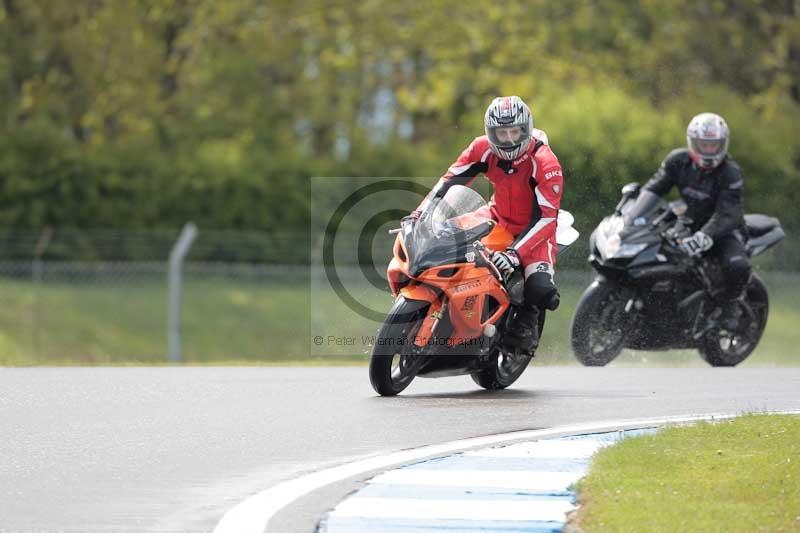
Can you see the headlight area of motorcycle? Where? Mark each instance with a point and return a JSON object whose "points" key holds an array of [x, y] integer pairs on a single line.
{"points": [[607, 239], [629, 250], [609, 243]]}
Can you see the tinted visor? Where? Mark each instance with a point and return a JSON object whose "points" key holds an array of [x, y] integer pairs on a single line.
{"points": [[708, 147], [508, 136]]}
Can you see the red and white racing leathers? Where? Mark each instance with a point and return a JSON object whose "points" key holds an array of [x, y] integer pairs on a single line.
{"points": [[527, 195]]}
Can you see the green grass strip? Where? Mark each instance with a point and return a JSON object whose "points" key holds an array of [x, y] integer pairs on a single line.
{"points": [[738, 475], [122, 321]]}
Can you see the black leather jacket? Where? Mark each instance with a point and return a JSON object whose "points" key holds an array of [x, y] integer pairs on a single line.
{"points": [[713, 197]]}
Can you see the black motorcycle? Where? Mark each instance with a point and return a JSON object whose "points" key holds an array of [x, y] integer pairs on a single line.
{"points": [[650, 295]]}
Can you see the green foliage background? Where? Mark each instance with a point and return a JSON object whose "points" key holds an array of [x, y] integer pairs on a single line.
{"points": [[139, 114]]}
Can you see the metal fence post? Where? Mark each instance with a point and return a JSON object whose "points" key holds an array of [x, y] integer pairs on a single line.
{"points": [[36, 275], [176, 257]]}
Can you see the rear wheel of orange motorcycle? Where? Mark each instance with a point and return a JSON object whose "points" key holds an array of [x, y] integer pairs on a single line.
{"points": [[395, 362]]}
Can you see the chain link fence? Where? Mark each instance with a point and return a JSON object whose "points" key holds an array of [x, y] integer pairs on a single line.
{"points": [[108, 310], [116, 312], [102, 296]]}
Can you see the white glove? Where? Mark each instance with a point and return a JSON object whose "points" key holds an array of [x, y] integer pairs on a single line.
{"points": [[505, 262], [697, 244]]}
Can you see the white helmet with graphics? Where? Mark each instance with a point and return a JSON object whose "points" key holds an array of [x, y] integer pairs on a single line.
{"points": [[707, 136], [509, 127]]}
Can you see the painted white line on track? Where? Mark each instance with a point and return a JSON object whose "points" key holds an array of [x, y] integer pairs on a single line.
{"points": [[254, 513], [415, 509], [479, 479]]}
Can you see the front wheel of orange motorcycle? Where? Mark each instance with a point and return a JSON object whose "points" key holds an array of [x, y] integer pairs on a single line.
{"points": [[395, 360]]}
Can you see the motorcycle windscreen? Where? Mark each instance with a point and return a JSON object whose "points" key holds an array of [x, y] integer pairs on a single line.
{"points": [[638, 211], [455, 222]]}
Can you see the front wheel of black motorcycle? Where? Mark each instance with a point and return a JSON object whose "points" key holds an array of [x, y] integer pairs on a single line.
{"points": [[598, 333], [505, 368], [394, 362], [724, 348]]}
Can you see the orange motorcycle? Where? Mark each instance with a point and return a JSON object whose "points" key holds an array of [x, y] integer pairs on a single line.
{"points": [[452, 306]]}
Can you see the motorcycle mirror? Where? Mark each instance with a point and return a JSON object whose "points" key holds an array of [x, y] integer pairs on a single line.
{"points": [[631, 189]]}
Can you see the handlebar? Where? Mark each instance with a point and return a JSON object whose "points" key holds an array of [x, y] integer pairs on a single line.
{"points": [[406, 220], [674, 238], [662, 217], [482, 259]]}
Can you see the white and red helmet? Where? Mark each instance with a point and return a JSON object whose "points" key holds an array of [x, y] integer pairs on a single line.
{"points": [[707, 137], [509, 127]]}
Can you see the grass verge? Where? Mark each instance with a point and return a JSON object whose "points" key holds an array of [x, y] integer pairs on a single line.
{"points": [[739, 475], [122, 320]]}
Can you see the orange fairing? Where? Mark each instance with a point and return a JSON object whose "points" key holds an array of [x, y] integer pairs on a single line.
{"points": [[427, 294], [469, 290], [420, 292], [397, 272], [474, 296]]}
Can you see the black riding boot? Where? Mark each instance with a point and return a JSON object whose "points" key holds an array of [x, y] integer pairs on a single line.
{"points": [[523, 332], [736, 269], [731, 313]]}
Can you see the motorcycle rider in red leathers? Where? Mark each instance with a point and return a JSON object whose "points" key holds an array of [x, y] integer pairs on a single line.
{"points": [[528, 184]]}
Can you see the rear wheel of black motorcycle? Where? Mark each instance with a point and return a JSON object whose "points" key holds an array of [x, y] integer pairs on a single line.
{"points": [[598, 333], [505, 368], [721, 348], [394, 363]]}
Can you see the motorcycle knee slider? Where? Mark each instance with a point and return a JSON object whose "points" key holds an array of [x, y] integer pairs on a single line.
{"points": [[552, 302]]}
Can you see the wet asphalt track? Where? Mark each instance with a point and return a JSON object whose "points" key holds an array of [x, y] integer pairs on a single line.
{"points": [[171, 449]]}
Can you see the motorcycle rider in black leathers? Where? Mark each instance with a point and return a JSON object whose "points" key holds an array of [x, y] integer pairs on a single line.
{"points": [[710, 183]]}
